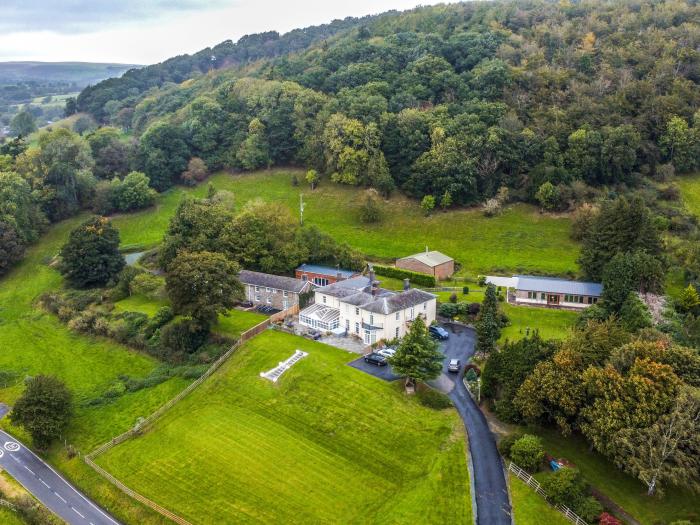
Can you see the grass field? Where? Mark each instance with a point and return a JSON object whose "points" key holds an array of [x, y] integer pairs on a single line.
{"points": [[630, 494], [529, 508], [326, 441], [520, 240], [551, 324], [690, 192]]}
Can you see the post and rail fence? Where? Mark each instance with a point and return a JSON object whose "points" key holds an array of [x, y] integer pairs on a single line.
{"points": [[149, 420], [534, 484]]}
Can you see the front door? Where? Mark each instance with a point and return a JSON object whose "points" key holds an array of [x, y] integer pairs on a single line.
{"points": [[552, 299], [367, 337]]}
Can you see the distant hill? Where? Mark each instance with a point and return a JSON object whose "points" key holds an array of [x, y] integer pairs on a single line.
{"points": [[79, 73]]}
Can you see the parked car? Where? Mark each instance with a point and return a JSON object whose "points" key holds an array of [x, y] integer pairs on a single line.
{"points": [[438, 332], [313, 334], [375, 359], [453, 365], [387, 352]]}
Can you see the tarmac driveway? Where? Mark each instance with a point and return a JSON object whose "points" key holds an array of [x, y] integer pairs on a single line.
{"points": [[460, 345], [490, 489]]}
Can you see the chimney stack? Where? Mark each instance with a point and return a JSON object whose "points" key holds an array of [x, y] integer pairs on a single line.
{"points": [[426, 248], [338, 276], [406, 284], [370, 275]]}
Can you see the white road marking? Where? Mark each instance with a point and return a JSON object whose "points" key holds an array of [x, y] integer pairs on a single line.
{"points": [[15, 458], [2, 453], [11, 446], [60, 497], [45, 484], [30, 470], [78, 513]]}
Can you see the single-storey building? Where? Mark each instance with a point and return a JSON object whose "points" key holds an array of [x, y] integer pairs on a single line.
{"points": [[272, 290], [358, 306], [433, 263], [548, 291], [323, 275]]}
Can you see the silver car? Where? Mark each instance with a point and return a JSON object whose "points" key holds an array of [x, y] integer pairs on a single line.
{"points": [[453, 365], [387, 352]]}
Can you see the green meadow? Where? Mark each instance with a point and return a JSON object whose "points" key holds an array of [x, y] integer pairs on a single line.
{"points": [[690, 192], [325, 441], [519, 240]]}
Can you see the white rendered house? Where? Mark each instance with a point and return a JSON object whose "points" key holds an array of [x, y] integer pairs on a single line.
{"points": [[358, 306]]}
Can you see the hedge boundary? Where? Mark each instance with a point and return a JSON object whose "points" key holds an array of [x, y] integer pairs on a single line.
{"points": [[419, 279]]}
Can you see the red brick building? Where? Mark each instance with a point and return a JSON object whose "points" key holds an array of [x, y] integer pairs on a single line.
{"points": [[433, 263], [322, 275]]}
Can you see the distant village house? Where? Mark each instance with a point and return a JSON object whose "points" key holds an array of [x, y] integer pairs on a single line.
{"points": [[548, 291], [433, 263]]}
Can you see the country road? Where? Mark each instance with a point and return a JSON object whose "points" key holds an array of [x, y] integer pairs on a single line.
{"points": [[48, 486]]}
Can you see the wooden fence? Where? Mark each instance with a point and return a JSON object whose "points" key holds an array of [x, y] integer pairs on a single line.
{"points": [[532, 482], [145, 423]]}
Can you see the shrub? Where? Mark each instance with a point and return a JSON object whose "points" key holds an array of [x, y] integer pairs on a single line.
{"points": [[418, 279], [568, 487], [182, 336], [434, 399], [528, 452], [465, 290], [506, 443], [491, 207], [453, 297], [132, 193], [196, 172]]}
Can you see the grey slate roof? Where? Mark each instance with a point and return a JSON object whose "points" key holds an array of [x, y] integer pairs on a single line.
{"points": [[398, 301], [550, 284], [268, 280], [325, 270]]}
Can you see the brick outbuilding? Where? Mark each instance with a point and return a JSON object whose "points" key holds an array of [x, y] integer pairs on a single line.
{"points": [[433, 263]]}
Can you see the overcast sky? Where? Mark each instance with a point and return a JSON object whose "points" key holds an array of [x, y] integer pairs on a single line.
{"points": [[149, 31]]}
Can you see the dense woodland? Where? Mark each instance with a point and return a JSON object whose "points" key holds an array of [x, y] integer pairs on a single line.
{"points": [[449, 101]]}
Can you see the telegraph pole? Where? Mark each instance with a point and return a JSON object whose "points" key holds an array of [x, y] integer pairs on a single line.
{"points": [[301, 209]]}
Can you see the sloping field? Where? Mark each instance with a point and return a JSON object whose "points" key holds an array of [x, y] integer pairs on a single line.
{"points": [[325, 444], [519, 240]]}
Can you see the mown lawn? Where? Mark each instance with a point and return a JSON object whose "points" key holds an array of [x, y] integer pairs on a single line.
{"points": [[551, 324], [520, 240], [690, 192], [529, 508], [626, 491], [326, 443]]}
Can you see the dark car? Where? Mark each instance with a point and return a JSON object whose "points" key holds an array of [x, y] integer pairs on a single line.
{"points": [[375, 359], [438, 332]]}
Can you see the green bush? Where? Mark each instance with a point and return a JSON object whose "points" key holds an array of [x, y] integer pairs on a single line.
{"points": [[418, 279], [506, 444], [182, 336], [568, 487], [527, 452], [465, 290], [434, 399]]}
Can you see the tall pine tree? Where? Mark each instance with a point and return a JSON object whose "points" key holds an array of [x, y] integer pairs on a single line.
{"points": [[418, 357], [488, 324]]}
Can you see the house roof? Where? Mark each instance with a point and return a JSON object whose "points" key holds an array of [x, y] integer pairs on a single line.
{"points": [[531, 283], [347, 287], [395, 302], [326, 270], [268, 280], [431, 259], [550, 284]]}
